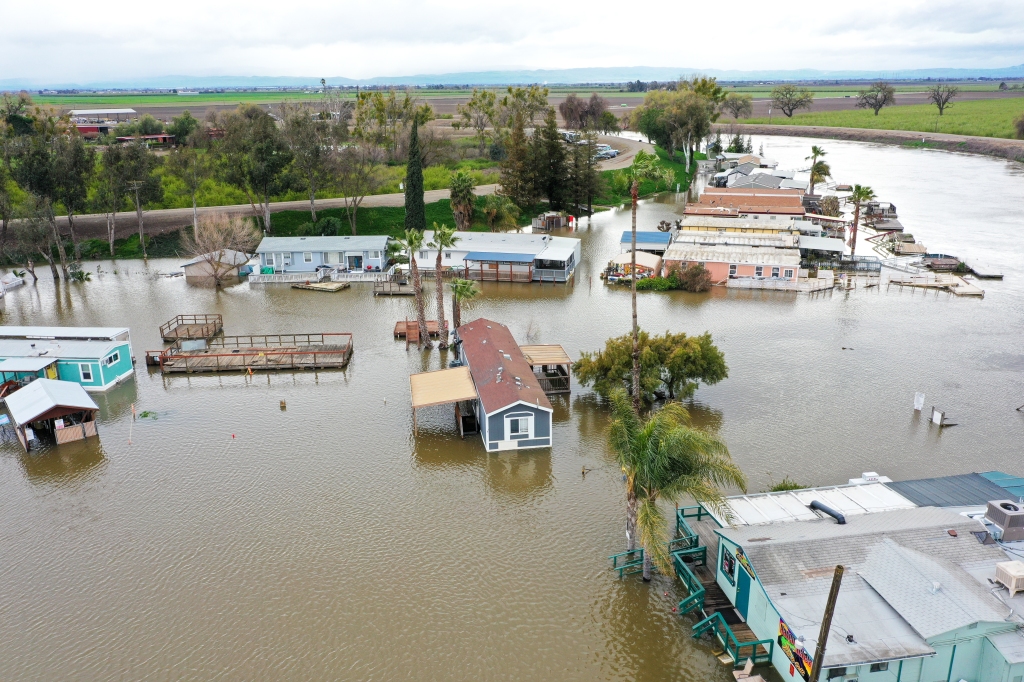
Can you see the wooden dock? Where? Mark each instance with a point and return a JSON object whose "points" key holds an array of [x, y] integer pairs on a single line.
{"points": [[267, 352], [955, 284], [393, 288], [192, 327], [330, 287], [402, 328]]}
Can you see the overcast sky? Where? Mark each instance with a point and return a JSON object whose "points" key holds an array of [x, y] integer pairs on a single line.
{"points": [[60, 41]]}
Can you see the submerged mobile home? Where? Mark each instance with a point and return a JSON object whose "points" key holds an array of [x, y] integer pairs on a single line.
{"points": [[97, 358]]}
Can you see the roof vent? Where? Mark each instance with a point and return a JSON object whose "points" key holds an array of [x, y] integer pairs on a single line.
{"points": [[507, 356], [936, 586]]}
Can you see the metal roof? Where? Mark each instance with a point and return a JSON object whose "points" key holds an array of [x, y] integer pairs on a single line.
{"points": [[25, 364], [559, 249], [442, 387], [785, 240], [792, 505], [42, 395], [647, 237], [228, 256], [741, 255], [932, 595], [57, 348], [96, 112], [500, 256], [301, 244], [1011, 484], [964, 490], [546, 354], [79, 333], [496, 362]]}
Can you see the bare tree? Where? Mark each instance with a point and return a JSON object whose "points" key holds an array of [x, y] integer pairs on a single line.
{"points": [[879, 95], [359, 173], [222, 243], [942, 96]]}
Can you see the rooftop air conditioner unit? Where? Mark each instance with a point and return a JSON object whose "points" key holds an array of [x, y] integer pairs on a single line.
{"points": [[1008, 516], [1011, 575]]}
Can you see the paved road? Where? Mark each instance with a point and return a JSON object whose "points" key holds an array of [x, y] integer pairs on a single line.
{"points": [[164, 220], [627, 150]]}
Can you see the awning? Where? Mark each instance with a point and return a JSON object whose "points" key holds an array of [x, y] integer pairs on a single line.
{"points": [[499, 256], [646, 237], [45, 395], [26, 364], [547, 354], [441, 387]]}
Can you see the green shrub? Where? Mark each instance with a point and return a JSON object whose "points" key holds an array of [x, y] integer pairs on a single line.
{"points": [[655, 283]]}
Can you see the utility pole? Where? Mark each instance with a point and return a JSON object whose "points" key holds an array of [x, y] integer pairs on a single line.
{"points": [[826, 623]]}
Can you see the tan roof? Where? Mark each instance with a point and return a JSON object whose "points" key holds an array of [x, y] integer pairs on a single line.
{"points": [[445, 386], [739, 255], [752, 191], [643, 259], [548, 354]]}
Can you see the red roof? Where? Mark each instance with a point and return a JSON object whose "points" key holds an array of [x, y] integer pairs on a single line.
{"points": [[496, 363]]}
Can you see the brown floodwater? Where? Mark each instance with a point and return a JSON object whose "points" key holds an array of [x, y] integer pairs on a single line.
{"points": [[228, 538]]}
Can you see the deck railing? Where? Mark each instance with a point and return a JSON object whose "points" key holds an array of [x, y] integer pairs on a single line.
{"points": [[290, 277], [206, 319], [547, 275], [716, 625], [694, 587], [498, 276], [552, 384]]}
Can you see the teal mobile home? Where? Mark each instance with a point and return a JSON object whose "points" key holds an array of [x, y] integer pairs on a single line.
{"points": [[98, 358]]}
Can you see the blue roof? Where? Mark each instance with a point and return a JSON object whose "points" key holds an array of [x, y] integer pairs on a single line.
{"points": [[499, 256], [647, 237], [1008, 482]]}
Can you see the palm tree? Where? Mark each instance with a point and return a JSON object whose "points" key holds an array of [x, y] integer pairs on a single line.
{"points": [[663, 456], [412, 243], [462, 291], [462, 199], [816, 153], [502, 213], [819, 171], [861, 195], [645, 167], [444, 238]]}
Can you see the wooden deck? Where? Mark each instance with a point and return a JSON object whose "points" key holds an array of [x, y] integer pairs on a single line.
{"points": [[330, 287], [402, 327], [192, 327], [391, 288], [250, 353]]}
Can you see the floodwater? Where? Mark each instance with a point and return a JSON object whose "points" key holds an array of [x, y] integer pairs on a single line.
{"points": [[228, 538]]}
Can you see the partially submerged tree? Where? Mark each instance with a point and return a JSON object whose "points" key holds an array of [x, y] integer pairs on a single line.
{"points": [[942, 96], [739, 105], [412, 243], [818, 173], [789, 98], [463, 200], [860, 196], [879, 95], [143, 184], [665, 457], [462, 291], [74, 165], [222, 242], [112, 190], [671, 364], [444, 238]]}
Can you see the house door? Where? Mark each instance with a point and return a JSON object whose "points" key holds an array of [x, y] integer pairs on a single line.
{"points": [[742, 591], [355, 262]]}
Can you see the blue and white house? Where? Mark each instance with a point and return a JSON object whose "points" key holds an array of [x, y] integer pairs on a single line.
{"points": [[511, 408], [505, 256], [287, 255], [97, 358]]}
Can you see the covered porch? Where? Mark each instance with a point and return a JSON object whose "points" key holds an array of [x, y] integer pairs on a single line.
{"points": [[488, 266], [551, 366], [445, 387], [60, 408], [18, 372]]}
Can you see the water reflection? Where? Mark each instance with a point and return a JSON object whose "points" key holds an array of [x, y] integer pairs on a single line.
{"points": [[519, 476], [60, 464]]}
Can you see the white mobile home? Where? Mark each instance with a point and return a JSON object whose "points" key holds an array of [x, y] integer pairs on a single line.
{"points": [[505, 256]]}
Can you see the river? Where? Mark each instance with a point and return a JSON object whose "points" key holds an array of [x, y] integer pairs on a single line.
{"points": [[229, 538]]}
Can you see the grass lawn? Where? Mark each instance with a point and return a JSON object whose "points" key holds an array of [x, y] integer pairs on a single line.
{"points": [[984, 118], [616, 184]]}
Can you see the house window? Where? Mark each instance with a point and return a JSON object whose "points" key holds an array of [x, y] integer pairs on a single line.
{"points": [[375, 254], [447, 255], [307, 257], [775, 272], [759, 271], [732, 270], [879, 667], [112, 358], [789, 274], [728, 565], [518, 427], [836, 672], [286, 259], [270, 259], [86, 371]]}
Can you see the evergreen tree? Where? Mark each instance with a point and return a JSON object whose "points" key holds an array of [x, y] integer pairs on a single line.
{"points": [[549, 162], [415, 213], [516, 176]]}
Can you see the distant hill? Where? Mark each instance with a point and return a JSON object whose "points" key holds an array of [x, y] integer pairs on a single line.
{"points": [[510, 77]]}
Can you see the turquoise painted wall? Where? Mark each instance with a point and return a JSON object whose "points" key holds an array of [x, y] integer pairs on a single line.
{"points": [[70, 370], [121, 366]]}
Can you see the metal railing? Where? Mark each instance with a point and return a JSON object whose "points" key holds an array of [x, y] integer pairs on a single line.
{"points": [[736, 649], [290, 277], [695, 589], [547, 275], [498, 276]]}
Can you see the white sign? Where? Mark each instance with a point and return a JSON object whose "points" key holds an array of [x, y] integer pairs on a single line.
{"points": [[58, 423], [937, 416], [918, 401], [29, 434]]}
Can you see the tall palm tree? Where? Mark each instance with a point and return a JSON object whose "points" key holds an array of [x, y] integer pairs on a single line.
{"points": [[861, 195], [816, 153], [444, 238], [663, 456], [462, 291], [645, 167], [819, 171], [412, 243]]}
